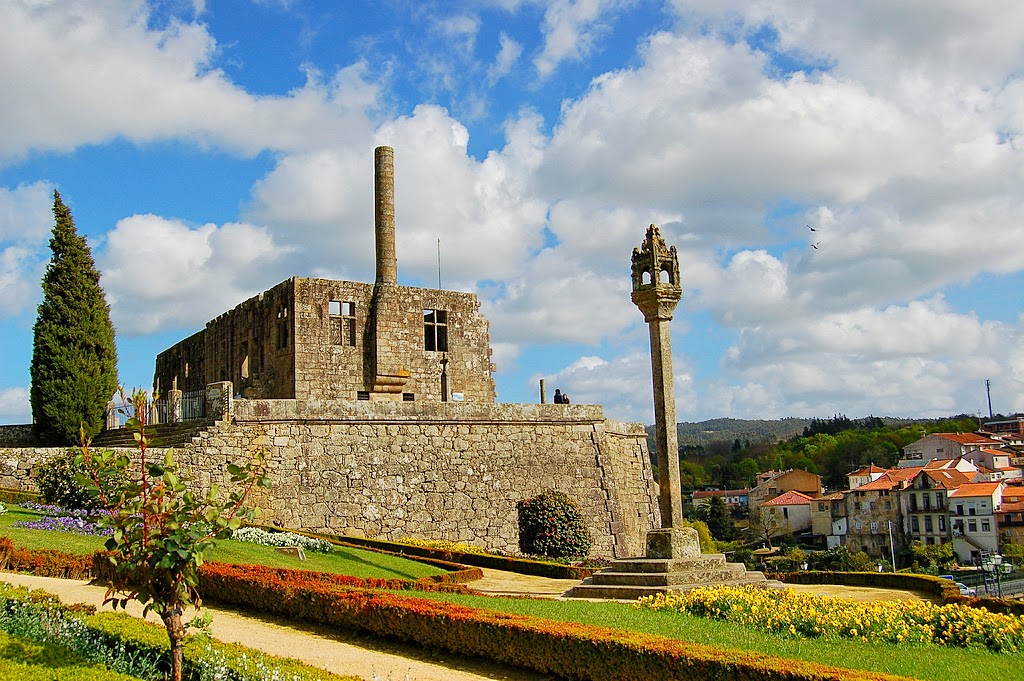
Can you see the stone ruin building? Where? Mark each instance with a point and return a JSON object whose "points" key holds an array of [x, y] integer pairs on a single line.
{"points": [[343, 340]]}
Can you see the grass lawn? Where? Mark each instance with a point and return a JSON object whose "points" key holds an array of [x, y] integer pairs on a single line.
{"points": [[341, 560], [923, 662]]}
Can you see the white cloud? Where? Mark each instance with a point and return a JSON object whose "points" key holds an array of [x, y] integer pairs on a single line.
{"points": [[622, 385], [127, 79], [509, 52], [557, 299], [571, 28], [18, 280], [482, 212], [14, 405], [160, 273], [921, 358], [26, 213]]}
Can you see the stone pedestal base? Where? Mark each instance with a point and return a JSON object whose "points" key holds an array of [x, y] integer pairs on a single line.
{"points": [[673, 563], [673, 542]]}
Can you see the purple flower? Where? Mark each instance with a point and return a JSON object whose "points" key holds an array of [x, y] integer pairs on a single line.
{"points": [[70, 524]]}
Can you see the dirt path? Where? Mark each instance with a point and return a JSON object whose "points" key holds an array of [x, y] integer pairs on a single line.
{"points": [[362, 656]]}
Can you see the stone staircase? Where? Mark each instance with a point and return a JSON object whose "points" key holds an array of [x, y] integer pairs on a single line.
{"points": [[674, 563], [160, 435], [633, 578]]}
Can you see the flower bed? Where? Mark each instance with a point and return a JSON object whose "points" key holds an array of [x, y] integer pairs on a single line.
{"points": [[809, 616], [577, 651], [257, 535]]}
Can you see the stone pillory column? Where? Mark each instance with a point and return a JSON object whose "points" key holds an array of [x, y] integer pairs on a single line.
{"points": [[384, 214], [657, 299]]}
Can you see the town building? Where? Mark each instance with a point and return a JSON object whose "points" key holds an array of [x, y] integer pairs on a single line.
{"points": [[733, 498], [875, 514], [829, 519], [925, 502], [972, 510], [944, 446], [787, 514], [1010, 516], [774, 483]]}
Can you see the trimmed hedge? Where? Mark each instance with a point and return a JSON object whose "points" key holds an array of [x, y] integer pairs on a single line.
{"points": [[578, 651], [522, 566], [215, 578], [27, 660], [43, 562], [9, 495]]}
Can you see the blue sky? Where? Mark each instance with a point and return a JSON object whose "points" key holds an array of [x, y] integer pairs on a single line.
{"points": [[210, 150]]}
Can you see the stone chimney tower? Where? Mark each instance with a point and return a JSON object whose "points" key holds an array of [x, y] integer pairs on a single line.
{"points": [[388, 359], [384, 214]]}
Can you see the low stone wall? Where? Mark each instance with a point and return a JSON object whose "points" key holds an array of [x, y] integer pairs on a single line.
{"points": [[449, 471], [18, 465], [16, 436]]}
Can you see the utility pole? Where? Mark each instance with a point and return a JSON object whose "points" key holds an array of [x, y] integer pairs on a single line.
{"points": [[988, 392]]}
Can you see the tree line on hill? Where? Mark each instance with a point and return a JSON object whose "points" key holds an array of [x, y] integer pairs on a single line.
{"points": [[720, 457]]}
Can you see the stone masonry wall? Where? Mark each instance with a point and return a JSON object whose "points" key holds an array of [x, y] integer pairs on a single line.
{"points": [[450, 471], [437, 471]]}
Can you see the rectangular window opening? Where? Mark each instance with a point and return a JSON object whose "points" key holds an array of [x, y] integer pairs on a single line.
{"points": [[343, 322], [435, 330]]}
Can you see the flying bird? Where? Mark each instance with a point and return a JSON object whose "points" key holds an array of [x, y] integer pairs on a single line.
{"points": [[815, 246], [811, 228]]}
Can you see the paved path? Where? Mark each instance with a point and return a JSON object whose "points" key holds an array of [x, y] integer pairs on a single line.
{"points": [[362, 656]]}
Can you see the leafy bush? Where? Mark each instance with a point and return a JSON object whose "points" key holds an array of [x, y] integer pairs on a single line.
{"points": [[551, 524], [57, 483]]}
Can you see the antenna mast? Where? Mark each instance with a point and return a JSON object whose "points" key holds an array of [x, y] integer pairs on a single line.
{"points": [[988, 392]]}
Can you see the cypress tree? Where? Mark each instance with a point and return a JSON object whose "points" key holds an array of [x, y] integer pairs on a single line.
{"points": [[74, 360]]}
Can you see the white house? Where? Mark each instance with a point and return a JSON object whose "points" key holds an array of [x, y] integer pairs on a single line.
{"points": [[972, 508]]}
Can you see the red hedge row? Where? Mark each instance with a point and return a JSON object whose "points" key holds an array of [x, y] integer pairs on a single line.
{"points": [[43, 562], [571, 650]]}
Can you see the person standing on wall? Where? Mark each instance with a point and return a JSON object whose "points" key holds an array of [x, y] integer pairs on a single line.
{"points": [[558, 396]]}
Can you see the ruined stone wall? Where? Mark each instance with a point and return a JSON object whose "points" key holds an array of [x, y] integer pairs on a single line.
{"points": [[326, 369], [16, 436], [252, 345], [182, 364], [439, 471], [290, 342]]}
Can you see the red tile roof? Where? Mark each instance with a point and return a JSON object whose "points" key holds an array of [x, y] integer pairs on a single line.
{"points": [[975, 489], [867, 470], [887, 481], [790, 498], [947, 477], [967, 438]]}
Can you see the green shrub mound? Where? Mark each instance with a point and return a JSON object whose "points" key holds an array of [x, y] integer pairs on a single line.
{"points": [[551, 525], [57, 483]]}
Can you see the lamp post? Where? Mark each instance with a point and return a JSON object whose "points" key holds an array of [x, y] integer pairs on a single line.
{"points": [[993, 563]]}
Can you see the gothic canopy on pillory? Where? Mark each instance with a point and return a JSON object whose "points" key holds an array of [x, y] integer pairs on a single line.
{"points": [[655, 297]]}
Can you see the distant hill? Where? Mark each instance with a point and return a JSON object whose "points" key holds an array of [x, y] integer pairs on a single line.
{"points": [[756, 431]]}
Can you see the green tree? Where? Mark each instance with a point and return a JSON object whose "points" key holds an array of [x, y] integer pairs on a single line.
{"points": [[162, 529], [74, 360], [716, 515]]}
